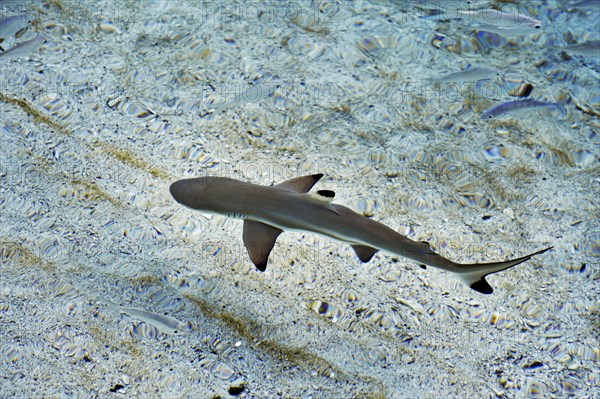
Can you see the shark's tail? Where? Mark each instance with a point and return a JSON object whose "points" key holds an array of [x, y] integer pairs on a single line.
{"points": [[474, 275]]}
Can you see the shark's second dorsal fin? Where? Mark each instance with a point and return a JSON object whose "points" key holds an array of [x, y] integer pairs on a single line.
{"points": [[259, 239], [301, 184], [326, 193], [324, 197], [424, 245]]}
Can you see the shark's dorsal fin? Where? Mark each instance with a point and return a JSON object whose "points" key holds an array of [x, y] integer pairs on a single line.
{"points": [[364, 252], [326, 193], [301, 184], [259, 239], [426, 248]]}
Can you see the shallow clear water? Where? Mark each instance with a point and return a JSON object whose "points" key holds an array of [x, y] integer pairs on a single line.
{"points": [[124, 98]]}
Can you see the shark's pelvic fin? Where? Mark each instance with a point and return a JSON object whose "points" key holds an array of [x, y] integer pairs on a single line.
{"points": [[259, 240], [301, 184], [364, 252]]}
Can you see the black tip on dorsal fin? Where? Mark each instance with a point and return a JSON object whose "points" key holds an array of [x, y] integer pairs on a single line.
{"points": [[425, 247], [482, 286], [326, 193], [301, 184]]}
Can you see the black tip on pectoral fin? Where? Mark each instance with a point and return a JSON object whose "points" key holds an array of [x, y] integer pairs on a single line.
{"points": [[482, 286], [423, 267], [259, 240], [261, 266]]}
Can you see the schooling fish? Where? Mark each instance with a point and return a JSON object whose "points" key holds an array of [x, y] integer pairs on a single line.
{"points": [[23, 49], [11, 25], [267, 211], [469, 75], [586, 5], [255, 93], [502, 22], [586, 49], [164, 324], [519, 106]]}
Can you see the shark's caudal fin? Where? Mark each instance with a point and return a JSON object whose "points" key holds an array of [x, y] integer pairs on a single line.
{"points": [[474, 275]]}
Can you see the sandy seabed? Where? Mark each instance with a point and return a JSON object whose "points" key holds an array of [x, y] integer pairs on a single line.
{"points": [[123, 98]]}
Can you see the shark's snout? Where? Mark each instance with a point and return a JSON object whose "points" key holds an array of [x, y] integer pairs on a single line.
{"points": [[177, 190], [191, 193]]}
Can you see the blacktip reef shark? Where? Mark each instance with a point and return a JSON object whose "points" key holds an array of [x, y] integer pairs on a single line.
{"points": [[268, 210]]}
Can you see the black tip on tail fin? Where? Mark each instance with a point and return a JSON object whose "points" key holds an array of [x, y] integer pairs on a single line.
{"points": [[475, 278], [482, 286]]}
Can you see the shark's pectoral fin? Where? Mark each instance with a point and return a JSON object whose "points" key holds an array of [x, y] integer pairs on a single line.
{"points": [[301, 184], [423, 267], [364, 252], [259, 239]]}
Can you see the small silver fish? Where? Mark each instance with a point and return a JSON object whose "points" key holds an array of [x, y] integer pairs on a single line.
{"points": [[469, 75], [23, 49], [518, 106], [254, 93], [502, 22], [11, 25], [586, 49], [165, 324], [586, 5]]}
